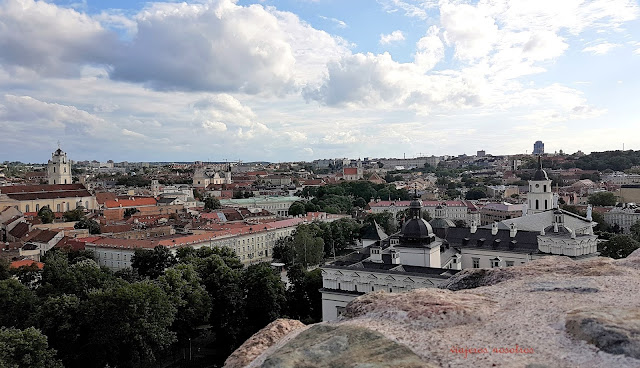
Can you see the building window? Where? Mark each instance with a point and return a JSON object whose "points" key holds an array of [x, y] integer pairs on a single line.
{"points": [[537, 204], [58, 207], [26, 208], [495, 263], [476, 262], [355, 287], [509, 263], [546, 205], [372, 288], [37, 207]]}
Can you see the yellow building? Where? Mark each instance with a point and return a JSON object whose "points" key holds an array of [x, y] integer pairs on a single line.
{"points": [[58, 197]]}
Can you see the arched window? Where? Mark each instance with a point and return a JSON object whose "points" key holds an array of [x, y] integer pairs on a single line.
{"points": [[537, 204], [26, 208], [54, 169]]}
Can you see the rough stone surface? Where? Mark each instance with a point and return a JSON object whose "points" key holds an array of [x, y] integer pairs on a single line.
{"points": [[614, 330], [261, 341], [343, 346], [511, 317]]}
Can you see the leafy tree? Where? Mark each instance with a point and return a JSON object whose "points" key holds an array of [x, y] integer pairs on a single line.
{"points": [[92, 225], [18, 304], [74, 215], [26, 348], [385, 220], [619, 246], [152, 263], [602, 199], [308, 249], [46, 215], [460, 223], [265, 294], [212, 203], [60, 277], [185, 290], [283, 250], [130, 325], [28, 275], [61, 320], [130, 212], [297, 208], [476, 193], [635, 231], [303, 296], [223, 283], [4, 269]]}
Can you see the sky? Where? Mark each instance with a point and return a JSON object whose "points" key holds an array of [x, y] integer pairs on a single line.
{"points": [[290, 80]]}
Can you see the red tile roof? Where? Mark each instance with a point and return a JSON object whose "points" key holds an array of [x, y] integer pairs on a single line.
{"points": [[131, 202], [19, 230], [350, 171], [26, 263], [41, 188], [102, 197]]}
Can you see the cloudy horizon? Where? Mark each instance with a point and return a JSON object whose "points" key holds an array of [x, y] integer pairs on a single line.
{"points": [[217, 80]]}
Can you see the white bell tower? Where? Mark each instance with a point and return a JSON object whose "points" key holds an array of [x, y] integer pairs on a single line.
{"points": [[540, 197], [59, 168]]}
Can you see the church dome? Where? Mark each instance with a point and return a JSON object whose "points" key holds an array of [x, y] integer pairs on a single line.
{"points": [[417, 228], [441, 223], [540, 174]]}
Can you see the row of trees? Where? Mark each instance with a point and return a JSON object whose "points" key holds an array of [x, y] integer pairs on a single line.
{"points": [[311, 243], [82, 222], [342, 197], [89, 316]]}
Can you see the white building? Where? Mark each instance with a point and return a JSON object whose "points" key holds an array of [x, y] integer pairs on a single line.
{"points": [[59, 168], [625, 217], [540, 198], [274, 204], [453, 210], [413, 258], [203, 177]]}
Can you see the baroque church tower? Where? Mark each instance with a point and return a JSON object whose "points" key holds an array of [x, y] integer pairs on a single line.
{"points": [[540, 197], [59, 168]]}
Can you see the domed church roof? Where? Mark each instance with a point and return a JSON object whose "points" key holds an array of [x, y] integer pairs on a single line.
{"points": [[416, 229], [540, 174]]}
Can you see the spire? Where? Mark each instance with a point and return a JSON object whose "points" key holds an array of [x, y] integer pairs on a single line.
{"points": [[539, 162]]}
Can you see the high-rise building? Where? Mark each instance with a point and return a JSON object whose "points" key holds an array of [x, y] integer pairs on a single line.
{"points": [[538, 148]]}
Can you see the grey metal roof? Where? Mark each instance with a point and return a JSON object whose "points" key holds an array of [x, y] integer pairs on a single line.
{"points": [[523, 242]]}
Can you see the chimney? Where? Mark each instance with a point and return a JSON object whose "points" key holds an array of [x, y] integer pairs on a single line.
{"points": [[474, 227], [494, 228], [395, 257], [376, 254], [513, 230]]}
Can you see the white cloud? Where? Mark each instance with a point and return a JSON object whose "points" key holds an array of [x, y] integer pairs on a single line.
{"points": [[391, 37], [214, 126], [51, 40], [218, 111], [132, 134], [339, 23], [601, 48], [430, 49]]}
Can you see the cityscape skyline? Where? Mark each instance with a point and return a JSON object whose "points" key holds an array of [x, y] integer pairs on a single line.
{"points": [[274, 81]]}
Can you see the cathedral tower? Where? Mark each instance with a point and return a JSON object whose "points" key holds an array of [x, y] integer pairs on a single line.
{"points": [[540, 197], [59, 168]]}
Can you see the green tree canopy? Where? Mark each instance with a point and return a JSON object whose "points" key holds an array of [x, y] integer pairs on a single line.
{"points": [[476, 193], [74, 215], [185, 290], [619, 246], [297, 208], [26, 348], [212, 203], [130, 325], [85, 223], [265, 294], [602, 199], [152, 263], [18, 304], [46, 215]]}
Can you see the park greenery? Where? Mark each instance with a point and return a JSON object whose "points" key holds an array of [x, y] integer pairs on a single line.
{"points": [[74, 313], [343, 197], [311, 243]]}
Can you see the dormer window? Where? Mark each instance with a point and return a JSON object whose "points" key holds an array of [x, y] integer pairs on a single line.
{"points": [[495, 262]]}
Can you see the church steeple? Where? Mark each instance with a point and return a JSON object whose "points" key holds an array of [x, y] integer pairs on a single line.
{"points": [[540, 196], [59, 168]]}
